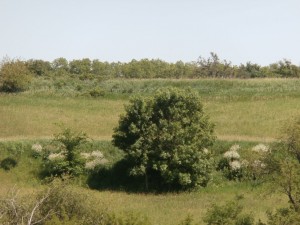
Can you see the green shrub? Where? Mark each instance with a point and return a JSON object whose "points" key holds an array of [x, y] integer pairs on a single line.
{"points": [[292, 137], [96, 92], [8, 163], [283, 216], [228, 214], [14, 76], [230, 164], [67, 159]]}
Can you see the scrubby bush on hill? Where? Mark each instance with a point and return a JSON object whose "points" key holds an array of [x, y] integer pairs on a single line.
{"points": [[14, 76]]}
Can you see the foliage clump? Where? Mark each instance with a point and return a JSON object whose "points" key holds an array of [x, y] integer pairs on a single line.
{"points": [[229, 214], [8, 163], [230, 163], [60, 204], [165, 139], [251, 166], [66, 158], [14, 76]]}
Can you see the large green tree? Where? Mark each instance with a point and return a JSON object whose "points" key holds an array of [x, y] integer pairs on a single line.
{"points": [[165, 138]]}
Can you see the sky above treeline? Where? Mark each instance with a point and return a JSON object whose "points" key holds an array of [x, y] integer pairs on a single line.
{"points": [[260, 31]]}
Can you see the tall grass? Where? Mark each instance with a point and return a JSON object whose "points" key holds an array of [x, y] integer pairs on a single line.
{"points": [[241, 109], [161, 209]]}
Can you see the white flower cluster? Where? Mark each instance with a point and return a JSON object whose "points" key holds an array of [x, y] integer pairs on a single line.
{"points": [[261, 148], [233, 157], [232, 154], [93, 154], [55, 156], [37, 148], [94, 163], [235, 165], [94, 159]]}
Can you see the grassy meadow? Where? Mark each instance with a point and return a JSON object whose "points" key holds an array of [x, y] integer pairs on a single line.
{"points": [[244, 111], [241, 109]]}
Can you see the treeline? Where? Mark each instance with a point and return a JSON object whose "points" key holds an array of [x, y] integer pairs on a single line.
{"points": [[211, 67]]}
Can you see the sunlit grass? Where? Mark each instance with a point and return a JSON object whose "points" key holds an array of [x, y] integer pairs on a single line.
{"points": [[24, 117], [168, 209], [35, 117], [251, 110], [161, 209]]}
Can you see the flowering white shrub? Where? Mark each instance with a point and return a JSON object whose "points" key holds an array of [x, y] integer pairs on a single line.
{"points": [[231, 155], [230, 163], [55, 156], [94, 159], [93, 154], [261, 148], [91, 165], [235, 165], [37, 148]]}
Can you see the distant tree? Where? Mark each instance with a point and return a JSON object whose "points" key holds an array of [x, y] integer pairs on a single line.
{"points": [[39, 67], [60, 64], [214, 67], [101, 68], [165, 136], [14, 75], [250, 70], [284, 68], [83, 66]]}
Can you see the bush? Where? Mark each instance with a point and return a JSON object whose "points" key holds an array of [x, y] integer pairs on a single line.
{"points": [[8, 163], [67, 159], [283, 216], [165, 137], [285, 165], [14, 76], [292, 137], [228, 214], [96, 92], [60, 204], [230, 164]]}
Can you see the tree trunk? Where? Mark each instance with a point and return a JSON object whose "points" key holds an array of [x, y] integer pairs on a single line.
{"points": [[146, 182]]}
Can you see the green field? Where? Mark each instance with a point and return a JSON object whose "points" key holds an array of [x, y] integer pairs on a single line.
{"points": [[161, 209], [241, 109], [244, 111]]}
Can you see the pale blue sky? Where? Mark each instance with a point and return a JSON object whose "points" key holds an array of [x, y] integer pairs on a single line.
{"points": [[261, 31]]}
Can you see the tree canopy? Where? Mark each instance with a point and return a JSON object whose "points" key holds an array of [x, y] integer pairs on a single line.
{"points": [[165, 138]]}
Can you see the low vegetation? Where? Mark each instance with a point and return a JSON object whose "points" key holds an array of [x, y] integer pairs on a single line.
{"points": [[69, 178]]}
